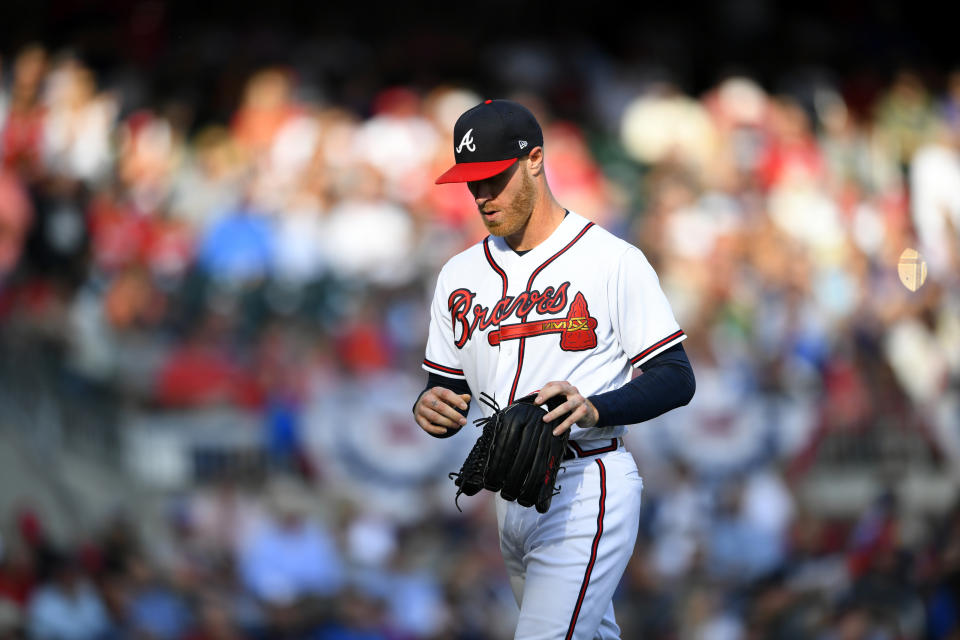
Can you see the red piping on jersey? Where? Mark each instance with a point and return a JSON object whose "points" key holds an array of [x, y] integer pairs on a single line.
{"points": [[556, 255], [593, 552], [516, 378], [495, 267], [643, 354], [440, 367], [536, 272]]}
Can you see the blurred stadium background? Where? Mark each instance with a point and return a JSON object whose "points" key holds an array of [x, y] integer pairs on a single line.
{"points": [[219, 235]]}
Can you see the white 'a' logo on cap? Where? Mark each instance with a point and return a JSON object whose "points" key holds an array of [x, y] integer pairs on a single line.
{"points": [[467, 142]]}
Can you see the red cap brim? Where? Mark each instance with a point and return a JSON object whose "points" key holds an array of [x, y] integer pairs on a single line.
{"points": [[472, 171]]}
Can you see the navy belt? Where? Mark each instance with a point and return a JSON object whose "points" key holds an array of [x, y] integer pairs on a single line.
{"points": [[574, 450]]}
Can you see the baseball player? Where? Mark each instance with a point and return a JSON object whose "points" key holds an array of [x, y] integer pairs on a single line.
{"points": [[551, 303]]}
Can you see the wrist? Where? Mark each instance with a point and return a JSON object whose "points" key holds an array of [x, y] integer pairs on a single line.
{"points": [[595, 410]]}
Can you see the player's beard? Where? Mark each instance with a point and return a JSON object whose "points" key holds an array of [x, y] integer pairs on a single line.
{"points": [[516, 214]]}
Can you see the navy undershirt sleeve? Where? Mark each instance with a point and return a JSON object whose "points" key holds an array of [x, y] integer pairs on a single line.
{"points": [[456, 385], [666, 383]]}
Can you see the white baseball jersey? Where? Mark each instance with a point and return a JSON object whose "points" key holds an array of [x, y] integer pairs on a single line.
{"points": [[582, 306]]}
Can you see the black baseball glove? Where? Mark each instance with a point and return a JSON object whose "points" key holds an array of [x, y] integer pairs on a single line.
{"points": [[517, 453]]}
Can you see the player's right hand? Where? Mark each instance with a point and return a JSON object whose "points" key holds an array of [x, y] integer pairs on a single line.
{"points": [[437, 411]]}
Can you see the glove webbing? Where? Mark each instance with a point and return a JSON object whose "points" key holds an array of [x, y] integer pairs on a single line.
{"points": [[476, 463]]}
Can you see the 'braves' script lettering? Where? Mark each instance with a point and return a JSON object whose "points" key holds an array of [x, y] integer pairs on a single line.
{"points": [[468, 317]]}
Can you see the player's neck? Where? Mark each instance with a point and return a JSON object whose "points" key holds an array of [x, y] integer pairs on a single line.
{"points": [[544, 220]]}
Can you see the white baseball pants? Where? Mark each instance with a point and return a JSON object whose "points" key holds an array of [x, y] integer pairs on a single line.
{"points": [[565, 565]]}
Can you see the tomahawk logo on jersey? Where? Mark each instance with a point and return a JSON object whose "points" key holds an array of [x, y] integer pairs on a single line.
{"points": [[508, 323]]}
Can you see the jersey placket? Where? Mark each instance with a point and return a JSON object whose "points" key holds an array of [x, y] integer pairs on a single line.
{"points": [[505, 353], [521, 348]]}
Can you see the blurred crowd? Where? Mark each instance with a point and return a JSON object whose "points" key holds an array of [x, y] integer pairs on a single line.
{"points": [[261, 260], [244, 562]]}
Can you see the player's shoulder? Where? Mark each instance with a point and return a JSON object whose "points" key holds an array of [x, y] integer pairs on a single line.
{"points": [[607, 246], [467, 260]]}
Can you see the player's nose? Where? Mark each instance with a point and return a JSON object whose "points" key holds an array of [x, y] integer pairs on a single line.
{"points": [[482, 200], [482, 192]]}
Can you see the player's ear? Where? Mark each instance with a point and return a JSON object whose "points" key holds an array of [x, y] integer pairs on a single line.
{"points": [[535, 161]]}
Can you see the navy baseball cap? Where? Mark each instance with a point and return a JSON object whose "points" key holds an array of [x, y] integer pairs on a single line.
{"points": [[489, 138]]}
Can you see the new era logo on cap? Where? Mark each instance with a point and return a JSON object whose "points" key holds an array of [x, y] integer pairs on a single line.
{"points": [[489, 138]]}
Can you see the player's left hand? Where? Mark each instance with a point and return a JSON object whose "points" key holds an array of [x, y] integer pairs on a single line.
{"points": [[581, 411]]}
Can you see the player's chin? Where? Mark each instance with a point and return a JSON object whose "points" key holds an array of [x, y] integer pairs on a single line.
{"points": [[493, 226], [495, 222], [500, 231]]}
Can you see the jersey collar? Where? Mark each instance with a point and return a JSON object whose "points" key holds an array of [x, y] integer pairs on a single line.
{"points": [[569, 227]]}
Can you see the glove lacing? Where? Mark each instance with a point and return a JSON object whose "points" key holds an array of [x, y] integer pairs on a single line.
{"points": [[476, 462]]}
